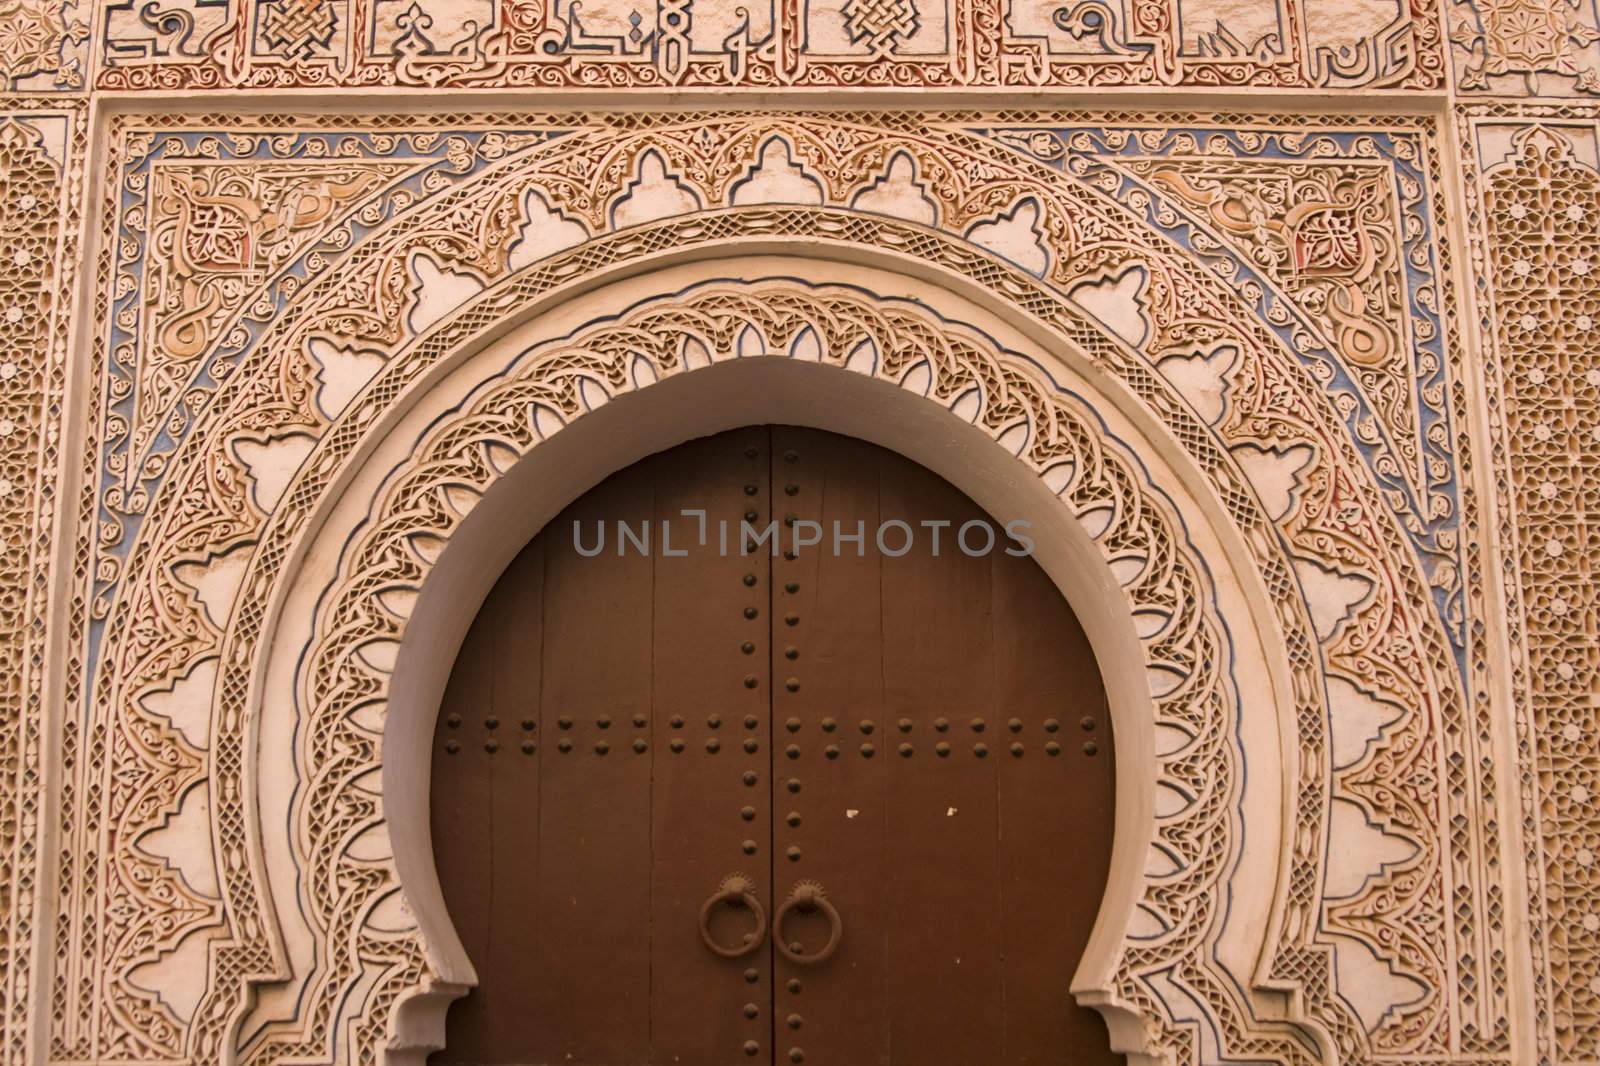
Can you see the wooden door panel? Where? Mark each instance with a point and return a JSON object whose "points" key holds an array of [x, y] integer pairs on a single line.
{"points": [[938, 668], [1055, 824], [830, 824], [712, 798], [461, 795], [591, 897], [903, 732]]}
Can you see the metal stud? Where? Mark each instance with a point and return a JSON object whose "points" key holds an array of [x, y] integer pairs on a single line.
{"points": [[750, 778], [564, 722], [791, 619], [977, 725], [904, 724], [748, 847], [941, 749], [640, 721], [748, 648], [794, 784], [752, 976], [791, 489], [714, 721], [906, 750], [454, 721], [794, 1021], [751, 1047], [751, 612], [713, 745], [1015, 725], [792, 684], [749, 579], [791, 555], [793, 819], [751, 453], [941, 724], [793, 751], [791, 652], [868, 725], [640, 746], [1052, 748], [752, 746], [790, 456], [1016, 749], [750, 516], [831, 751], [1051, 725], [565, 745], [676, 745], [796, 1055], [829, 725], [604, 721], [602, 748], [1091, 748], [751, 721], [491, 745], [491, 722], [752, 1011], [980, 750], [868, 751], [794, 984], [791, 587], [452, 746], [793, 853], [529, 725], [529, 747], [792, 725], [677, 721], [750, 681], [1087, 723], [747, 813], [751, 490]]}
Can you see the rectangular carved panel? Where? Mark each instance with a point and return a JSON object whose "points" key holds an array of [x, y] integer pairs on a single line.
{"points": [[1534, 202], [40, 158], [640, 44]]}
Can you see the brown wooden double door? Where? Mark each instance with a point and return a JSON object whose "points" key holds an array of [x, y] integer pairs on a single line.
{"points": [[647, 760]]}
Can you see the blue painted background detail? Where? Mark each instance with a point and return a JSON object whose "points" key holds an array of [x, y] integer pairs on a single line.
{"points": [[437, 159], [1436, 538]]}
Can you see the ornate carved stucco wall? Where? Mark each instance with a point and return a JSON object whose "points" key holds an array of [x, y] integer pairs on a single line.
{"points": [[1305, 345]]}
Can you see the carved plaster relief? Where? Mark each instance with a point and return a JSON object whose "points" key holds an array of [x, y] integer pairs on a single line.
{"points": [[1021, 44], [1245, 285], [1534, 217], [39, 215]]}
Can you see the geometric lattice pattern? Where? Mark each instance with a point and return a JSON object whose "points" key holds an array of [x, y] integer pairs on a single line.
{"points": [[1540, 257], [254, 264], [1353, 408]]}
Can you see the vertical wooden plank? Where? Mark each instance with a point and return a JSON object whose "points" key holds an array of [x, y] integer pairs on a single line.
{"points": [[945, 1004], [712, 810], [835, 748], [592, 896], [1055, 814], [515, 609], [460, 803]]}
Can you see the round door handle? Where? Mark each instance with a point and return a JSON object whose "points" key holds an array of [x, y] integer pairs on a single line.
{"points": [[806, 897], [735, 891]]}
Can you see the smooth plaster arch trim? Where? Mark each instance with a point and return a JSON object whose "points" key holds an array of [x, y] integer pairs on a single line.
{"points": [[680, 408], [706, 431], [838, 249]]}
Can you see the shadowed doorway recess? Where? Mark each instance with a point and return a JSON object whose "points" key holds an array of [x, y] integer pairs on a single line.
{"points": [[704, 794]]}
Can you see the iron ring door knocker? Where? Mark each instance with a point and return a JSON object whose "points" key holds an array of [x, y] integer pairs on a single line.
{"points": [[808, 896], [736, 890]]}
